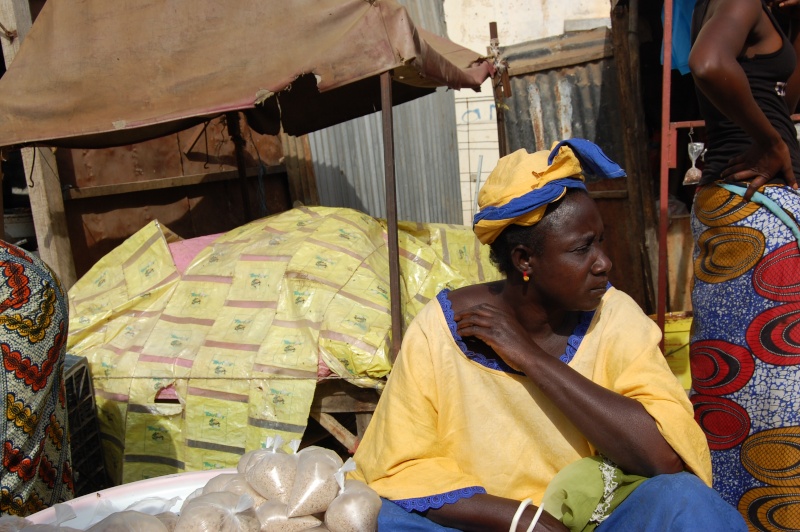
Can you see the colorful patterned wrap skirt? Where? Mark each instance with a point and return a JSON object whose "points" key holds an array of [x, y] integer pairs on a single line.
{"points": [[745, 351], [33, 332]]}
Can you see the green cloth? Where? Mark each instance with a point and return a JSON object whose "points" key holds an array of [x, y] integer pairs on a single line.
{"points": [[585, 492]]}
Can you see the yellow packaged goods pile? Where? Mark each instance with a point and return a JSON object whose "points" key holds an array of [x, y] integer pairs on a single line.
{"points": [[192, 369]]}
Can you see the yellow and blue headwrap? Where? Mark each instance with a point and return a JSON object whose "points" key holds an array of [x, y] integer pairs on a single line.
{"points": [[523, 184]]}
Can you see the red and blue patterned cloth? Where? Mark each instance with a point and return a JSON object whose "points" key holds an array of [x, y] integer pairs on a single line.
{"points": [[36, 470], [745, 351]]}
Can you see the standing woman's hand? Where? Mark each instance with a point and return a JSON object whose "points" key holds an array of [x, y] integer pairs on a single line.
{"points": [[759, 165]]}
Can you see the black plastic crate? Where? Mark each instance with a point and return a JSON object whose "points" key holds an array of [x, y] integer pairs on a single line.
{"points": [[88, 465]]}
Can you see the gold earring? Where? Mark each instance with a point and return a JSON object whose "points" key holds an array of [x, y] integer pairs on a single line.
{"points": [[525, 277]]}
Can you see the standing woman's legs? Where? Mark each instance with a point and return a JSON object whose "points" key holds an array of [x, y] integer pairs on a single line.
{"points": [[745, 352]]}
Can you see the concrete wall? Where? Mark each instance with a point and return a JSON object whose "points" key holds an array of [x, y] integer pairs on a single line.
{"points": [[517, 21]]}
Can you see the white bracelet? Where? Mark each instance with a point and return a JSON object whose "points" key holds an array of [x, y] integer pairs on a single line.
{"points": [[536, 518], [514, 522]]}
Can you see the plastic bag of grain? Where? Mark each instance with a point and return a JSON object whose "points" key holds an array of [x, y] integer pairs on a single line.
{"points": [[168, 519], [356, 507], [272, 473], [12, 523], [274, 518], [218, 512], [128, 521], [234, 483], [315, 485]]}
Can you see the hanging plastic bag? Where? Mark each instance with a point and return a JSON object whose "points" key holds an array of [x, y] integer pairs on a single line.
{"points": [[274, 518], [218, 512], [693, 174], [272, 474], [356, 507]]}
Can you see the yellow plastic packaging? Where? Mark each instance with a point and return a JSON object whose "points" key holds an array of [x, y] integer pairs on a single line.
{"points": [[191, 370]]}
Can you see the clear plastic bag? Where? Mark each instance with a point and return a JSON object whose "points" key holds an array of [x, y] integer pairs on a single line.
{"points": [[64, 513], [48, 528], [234, 483], [218, 483], [357, 506], [13, 523], [218, 512], [128, 521], [272, 473], [274, 518], [168, 519], [315, 485]]}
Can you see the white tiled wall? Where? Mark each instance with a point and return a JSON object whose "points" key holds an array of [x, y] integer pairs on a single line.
{"points": [[477, 136]]}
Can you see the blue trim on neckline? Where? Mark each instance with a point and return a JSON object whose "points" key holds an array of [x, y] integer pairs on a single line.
{"points": [[573, 342], [421, 504]]}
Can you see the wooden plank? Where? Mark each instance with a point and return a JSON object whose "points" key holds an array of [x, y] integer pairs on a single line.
{"points": [[608, 194], [47, 202], [300, 169], [338, 396], [157, 184], [49, 218], [337, 430], [581, 47]]}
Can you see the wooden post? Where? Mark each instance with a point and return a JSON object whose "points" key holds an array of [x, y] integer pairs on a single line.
{"points": [[624, 34], [502, 89], [235, 131], [391, 214], [300, 169], [47, 202]]}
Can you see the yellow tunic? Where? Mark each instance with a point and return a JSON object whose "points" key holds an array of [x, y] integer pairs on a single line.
{"points": [[445, 422]]}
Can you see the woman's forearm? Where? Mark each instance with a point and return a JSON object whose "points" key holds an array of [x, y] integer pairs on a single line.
{"points": [[483, 512], [618, 426]]}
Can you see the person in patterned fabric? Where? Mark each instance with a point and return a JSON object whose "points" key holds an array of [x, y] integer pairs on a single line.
{"points": [[744, 346], [545, 390], [36, 470]]}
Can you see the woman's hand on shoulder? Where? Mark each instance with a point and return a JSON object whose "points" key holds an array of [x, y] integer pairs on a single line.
{"points": [[759, 165], [500, 330]]}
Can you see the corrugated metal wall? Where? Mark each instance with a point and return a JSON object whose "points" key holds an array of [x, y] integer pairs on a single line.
{"points": [[348, 157], [553, 100]]}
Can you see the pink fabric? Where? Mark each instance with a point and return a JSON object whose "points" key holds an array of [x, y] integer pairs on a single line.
{"points": [[184, 251]]}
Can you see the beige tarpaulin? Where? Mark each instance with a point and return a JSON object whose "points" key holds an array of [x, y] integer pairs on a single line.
{"points": [[97, 73]]}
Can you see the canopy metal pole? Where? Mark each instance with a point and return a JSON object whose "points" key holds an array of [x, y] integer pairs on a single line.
{"points": [[391, 213], [239, 143], [666, 146]]}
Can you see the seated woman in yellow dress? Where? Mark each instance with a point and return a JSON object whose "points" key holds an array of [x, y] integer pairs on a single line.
{"points": [[501, 386]]}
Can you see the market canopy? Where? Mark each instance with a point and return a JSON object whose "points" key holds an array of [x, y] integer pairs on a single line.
{"points": [[102, 73]]}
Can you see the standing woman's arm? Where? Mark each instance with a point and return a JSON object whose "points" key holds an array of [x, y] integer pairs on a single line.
{"points": [[730, 28], [790, 7]]}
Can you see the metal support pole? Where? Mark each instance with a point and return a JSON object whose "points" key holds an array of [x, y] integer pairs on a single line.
{"points": [[391, 213], [666, 149], [239, 143]]}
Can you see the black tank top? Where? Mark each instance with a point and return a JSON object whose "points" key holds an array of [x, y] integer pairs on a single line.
{"points": [[767, 75]]}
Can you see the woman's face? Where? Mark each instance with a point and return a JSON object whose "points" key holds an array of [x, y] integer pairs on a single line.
{"points": [[571, 273]]}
